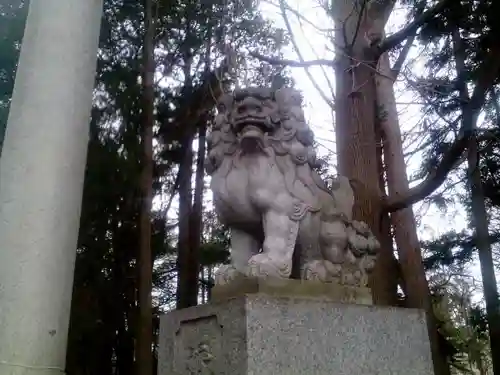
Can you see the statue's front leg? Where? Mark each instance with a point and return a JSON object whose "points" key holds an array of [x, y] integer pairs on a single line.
{"points": [[243, 246], [280, 234]]}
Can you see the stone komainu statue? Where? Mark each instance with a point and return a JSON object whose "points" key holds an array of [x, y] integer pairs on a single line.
{"points": [[284, 221]]}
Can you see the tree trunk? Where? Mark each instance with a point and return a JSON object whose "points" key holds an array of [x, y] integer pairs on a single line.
{"points": [[145, 261], [481, 367], [123, 288], [479, 215], [124, 349], [355, 130], [403, 221], [482, 242], [196, 223], [385, 227], [203, 286], [185, 297]]}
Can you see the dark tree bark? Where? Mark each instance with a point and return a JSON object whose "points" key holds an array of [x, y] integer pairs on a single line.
{"points": [[192, 263], [416, 287], [355, 129], [145, 261], [359, 97], [185, 297], [482, 237], [387, 245], [470, 111], [190, 222]]}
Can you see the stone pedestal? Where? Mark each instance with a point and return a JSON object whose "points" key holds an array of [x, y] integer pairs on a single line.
{"points": [[273, 334]]}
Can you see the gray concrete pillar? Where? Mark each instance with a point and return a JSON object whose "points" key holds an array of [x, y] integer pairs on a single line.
{"points": [[41, 181]]}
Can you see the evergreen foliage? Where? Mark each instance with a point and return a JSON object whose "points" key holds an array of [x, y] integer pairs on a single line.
{"points": [[13, 15], [191, 55]]}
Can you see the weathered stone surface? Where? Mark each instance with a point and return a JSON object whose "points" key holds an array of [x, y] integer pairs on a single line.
{"points": [[267, 189], [267, 335], [219, 330], [278, 287]]}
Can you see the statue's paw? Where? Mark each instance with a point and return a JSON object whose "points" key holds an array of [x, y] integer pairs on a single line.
{"points": [[262, 266], [320, 270], [225, 274]]}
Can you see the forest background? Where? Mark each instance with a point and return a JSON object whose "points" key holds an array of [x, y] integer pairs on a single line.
{"points": [[410, 84]]}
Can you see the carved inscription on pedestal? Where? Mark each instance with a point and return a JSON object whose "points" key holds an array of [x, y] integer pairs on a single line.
{"points": [[198, 346]]}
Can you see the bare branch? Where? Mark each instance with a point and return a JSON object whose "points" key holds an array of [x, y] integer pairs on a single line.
{"points": [[292, 63], [433, 180], [402, 56], [322, 67], [398, 37], [301, 17], [487, 75], [302, 63]]}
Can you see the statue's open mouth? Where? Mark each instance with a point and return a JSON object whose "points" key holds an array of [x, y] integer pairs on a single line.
{"points": [[251, 139], [251, 130], [260, 122]]}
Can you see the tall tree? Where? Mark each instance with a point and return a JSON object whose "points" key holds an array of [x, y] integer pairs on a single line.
{"points": [[196, 219], [355, 94], [206, 64], [106, 267], [145, 259], [479, 214], [474, 56]]}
